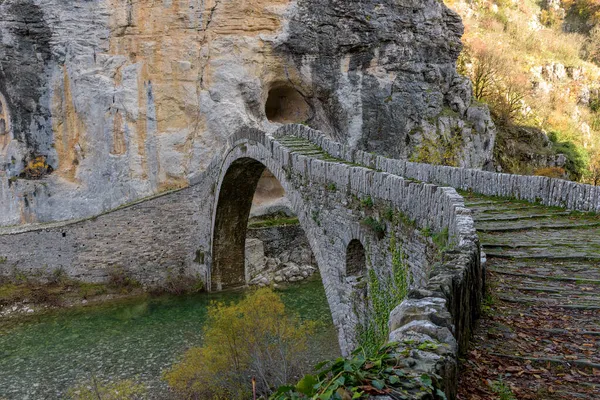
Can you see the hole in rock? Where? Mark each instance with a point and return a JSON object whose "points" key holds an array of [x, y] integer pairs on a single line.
{"points": [[286, 105]]}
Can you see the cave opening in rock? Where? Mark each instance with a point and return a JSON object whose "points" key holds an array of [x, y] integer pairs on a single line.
{"points": [[286, 105], [258, 240], [356, 259]]}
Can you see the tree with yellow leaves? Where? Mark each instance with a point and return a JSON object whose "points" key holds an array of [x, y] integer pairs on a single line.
{"points": [[255, 338]]}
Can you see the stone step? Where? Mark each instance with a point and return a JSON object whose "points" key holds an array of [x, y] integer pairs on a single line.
{"points": [[552, 296], [551, 289], [502, 217], [549, 302], [520, 225], [550, 267], [563, 360], [589, 238], [558, 253], [567, 332], [541, 256], [508, 208], [545, 278]]}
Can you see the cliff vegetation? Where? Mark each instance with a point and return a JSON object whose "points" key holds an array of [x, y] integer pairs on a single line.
{"points": [[536, 64]]}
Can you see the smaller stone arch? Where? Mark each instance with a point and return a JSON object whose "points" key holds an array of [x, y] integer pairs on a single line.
{"points": [[356, 259]]}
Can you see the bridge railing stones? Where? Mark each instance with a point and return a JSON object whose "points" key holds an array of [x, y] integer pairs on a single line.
{"points": [[547, 191], [444, 309]]}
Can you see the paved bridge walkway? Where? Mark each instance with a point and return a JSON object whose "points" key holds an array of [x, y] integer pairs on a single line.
{"points": [[541, 323]]}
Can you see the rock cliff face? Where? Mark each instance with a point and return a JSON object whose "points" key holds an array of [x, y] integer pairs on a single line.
{"points": [[106, 101]]}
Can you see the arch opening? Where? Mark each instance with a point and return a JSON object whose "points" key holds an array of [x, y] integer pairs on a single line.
{"points": [[231, 223], [257, 238], [356, 259], [286, 105]]}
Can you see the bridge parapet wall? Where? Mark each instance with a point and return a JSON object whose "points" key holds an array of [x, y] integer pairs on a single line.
{"points": [[544, 190]]}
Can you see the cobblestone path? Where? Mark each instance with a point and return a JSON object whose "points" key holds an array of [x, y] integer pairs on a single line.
{"points": [[539, 336]]}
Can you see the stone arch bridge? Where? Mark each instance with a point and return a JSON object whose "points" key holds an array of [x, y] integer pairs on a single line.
{"points": [[338, 199], [346, 201]]}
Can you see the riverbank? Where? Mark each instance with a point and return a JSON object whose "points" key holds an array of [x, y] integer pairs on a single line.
{"points": [[21, 294]]}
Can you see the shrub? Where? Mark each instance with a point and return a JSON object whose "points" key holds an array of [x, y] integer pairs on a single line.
{"points": [[551, 172], [10, 293], [367, 202], [592, 46], [180, 283], [384, 295], [375, 225], [88, 290], [441, 150], [502, 389], [118, 278], [58, 277], [487, 64], [551, 18], [41, 294], [382, 375], [36, 168], [586, 12], [593, 174], [254, 338], [577, 158], [120, 390]]}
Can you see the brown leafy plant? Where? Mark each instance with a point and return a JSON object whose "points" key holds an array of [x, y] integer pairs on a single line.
{"points": [[254, 338]]}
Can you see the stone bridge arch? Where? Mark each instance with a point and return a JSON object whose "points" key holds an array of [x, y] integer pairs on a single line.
{"points": [[328, 231], [339, 206], [240, 172]]}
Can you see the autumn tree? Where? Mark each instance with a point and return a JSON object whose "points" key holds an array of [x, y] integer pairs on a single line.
{"points": [[496, 82], [254, 338]]}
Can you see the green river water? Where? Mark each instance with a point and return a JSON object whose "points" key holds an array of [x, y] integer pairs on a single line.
{"points": [[42, 356]]}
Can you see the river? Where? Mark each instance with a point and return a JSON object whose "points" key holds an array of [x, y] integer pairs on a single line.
{"points": [[42, 356]]}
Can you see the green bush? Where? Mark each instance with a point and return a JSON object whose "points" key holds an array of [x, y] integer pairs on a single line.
{"points": [[367, 202], [179, 283], [375, 225], [363, 377], [118, 278], [577, 158]]}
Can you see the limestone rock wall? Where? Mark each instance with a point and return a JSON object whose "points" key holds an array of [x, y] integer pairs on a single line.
{"points": [[383, 78], [109, 101]]}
